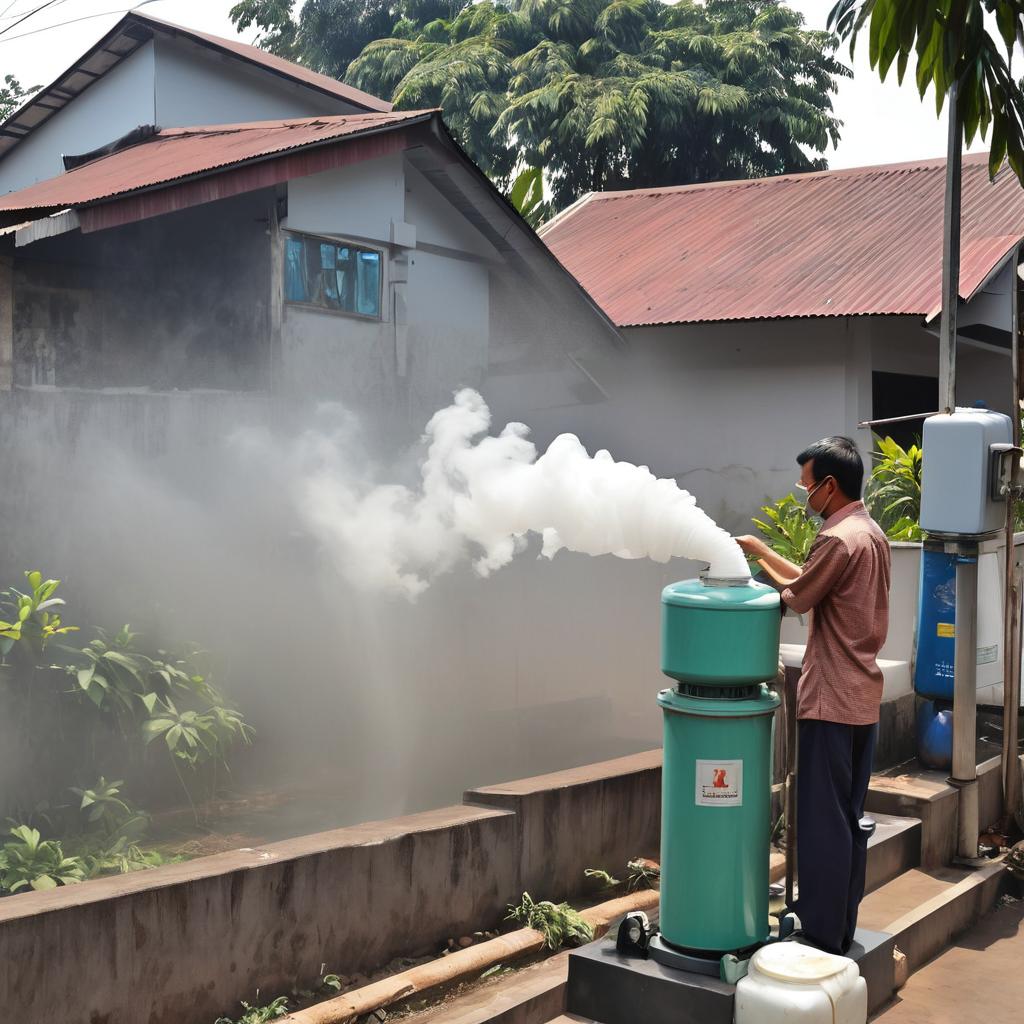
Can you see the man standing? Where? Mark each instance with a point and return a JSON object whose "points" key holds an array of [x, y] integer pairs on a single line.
{"points": [[845, 585]]}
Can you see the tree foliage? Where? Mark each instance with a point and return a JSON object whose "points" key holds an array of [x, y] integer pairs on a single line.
{"points": [[12, 95], [951, 43], [599, 93]]}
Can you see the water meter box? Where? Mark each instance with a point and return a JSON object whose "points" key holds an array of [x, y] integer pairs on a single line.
{"points": [[720, 636], [788, 983], [957, 472]]}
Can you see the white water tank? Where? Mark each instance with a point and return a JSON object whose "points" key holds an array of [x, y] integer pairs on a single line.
{"points": [[956, 474], [789, 983]]}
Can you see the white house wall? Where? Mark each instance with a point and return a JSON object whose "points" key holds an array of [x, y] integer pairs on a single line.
{"points": [[725, 408], [196, 86], [438, 339], [114, 105], [436, 222]]}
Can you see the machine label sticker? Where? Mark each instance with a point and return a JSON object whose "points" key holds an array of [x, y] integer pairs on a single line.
{"points": [[988, 655], [945, 629], [719, 784]]}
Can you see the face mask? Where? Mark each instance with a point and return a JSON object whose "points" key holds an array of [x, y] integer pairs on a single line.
{"points": [[807, 500]]}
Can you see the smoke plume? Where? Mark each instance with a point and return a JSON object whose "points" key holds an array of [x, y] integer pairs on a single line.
{"points": [[480, 496]]}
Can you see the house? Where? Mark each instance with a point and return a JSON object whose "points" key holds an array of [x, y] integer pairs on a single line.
{"points": [[276, 232], [764, 314]]}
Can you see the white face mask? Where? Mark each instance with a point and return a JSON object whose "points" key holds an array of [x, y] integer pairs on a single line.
{"points": [[807, 500]]}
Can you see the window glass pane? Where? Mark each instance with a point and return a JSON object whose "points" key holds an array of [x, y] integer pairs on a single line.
{"points": [[346, 277], [328, 274], [295, 289], [368, 284], [332, 275]]}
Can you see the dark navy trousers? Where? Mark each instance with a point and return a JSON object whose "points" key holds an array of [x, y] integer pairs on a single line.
{"points": [[833, 772]]}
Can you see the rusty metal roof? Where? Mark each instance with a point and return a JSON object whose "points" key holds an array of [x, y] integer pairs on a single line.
{"points": [[133, 31], [179, 153], [830, 243]]}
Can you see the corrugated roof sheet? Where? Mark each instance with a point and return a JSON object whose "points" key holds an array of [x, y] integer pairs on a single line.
{"points": [[133, 31], [829, 243], [177, 153]]}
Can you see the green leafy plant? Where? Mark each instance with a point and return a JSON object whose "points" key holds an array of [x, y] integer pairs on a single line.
{"points": [[103, 804], [28, 861], [558, 923], [259, 1014], [787, 528], [893, 491], [952, 43], [527, 196], [643, 874], [601, 879], [35, 622]]}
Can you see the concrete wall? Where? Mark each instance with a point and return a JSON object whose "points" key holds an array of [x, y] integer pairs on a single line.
{"points": [[724, 408], [434, 331], [180, 301], [119, 102], [187, 942], [195, 86]]}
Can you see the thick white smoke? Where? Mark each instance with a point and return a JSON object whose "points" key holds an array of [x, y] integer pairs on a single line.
{"points": [[480, 496]]}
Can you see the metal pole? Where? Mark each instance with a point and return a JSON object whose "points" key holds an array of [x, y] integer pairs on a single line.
{"points": [[950, 260], [1011, 605], [965, 700]]}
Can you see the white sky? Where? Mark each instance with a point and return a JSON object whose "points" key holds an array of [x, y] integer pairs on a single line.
{"points": [[883, 123]]}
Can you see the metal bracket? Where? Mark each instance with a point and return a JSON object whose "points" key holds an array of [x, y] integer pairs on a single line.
{"points": [[732, 968]]}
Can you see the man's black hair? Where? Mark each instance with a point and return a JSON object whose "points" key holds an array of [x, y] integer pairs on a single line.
{"points": [[838, 458]]}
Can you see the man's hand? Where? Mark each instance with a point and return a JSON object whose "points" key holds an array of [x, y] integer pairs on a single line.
{"points": [[752, 545]]}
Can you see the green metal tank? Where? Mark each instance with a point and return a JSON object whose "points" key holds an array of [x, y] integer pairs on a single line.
{"points": [[720, 643]]}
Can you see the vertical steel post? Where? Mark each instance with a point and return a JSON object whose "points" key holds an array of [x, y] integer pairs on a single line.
{"points": [[1011, 604], [965, 700], [950, 261]]}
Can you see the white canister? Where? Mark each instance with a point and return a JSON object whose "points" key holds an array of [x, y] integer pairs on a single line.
{"points": [[788, 983]]}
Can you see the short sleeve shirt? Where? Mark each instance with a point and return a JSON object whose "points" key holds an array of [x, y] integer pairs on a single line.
{"points": [[844, 584]]}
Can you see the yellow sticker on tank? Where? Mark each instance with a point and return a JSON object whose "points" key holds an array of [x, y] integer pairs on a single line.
{"points": [[945, 629]]}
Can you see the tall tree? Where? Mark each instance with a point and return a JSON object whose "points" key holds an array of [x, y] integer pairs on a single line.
{"points": [[619, 93], [12, 95], [328, 35], [952, 43]]}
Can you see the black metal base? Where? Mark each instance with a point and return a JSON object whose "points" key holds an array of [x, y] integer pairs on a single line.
{"points": [[668, 956], [607, 987]]}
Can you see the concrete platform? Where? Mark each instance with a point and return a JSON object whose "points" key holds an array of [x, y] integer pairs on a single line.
{"points": [[608, 988]]}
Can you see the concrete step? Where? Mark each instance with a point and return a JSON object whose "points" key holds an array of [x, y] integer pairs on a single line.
{"points": [[537, 993], [924, 910], [915, 792]]}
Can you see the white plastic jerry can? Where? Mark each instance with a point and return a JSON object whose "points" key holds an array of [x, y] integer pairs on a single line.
{"points": [[788, 982]]}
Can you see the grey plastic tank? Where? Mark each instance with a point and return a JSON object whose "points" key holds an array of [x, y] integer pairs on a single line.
{"points": [[956, 474]]}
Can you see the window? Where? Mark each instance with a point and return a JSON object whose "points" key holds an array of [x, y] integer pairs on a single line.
{"points": [[332, 275]]}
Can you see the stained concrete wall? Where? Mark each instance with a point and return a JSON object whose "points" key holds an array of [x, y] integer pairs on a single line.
{"points": [[185, 943], [179, 301]]}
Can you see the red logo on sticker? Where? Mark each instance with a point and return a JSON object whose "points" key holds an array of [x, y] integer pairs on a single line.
{"points": [[719, 779]]}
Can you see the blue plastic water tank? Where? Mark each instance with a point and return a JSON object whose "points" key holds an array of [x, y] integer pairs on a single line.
{"points": [[936, 625]]}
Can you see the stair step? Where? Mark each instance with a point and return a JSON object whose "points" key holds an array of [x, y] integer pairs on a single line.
{"points": [[902, 894]]}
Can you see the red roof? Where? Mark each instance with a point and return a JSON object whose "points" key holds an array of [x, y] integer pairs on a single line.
{"points": [[177, 153], [829, 243], [135, 30]]}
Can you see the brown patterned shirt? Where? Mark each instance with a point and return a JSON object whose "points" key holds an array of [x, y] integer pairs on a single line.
{"points": [[845, 585]]}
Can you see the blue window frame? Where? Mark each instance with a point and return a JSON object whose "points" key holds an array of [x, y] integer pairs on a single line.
{"points": [[332, 275]]}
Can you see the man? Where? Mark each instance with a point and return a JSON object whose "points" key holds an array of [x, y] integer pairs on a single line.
{"points": [[845, 585]]}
